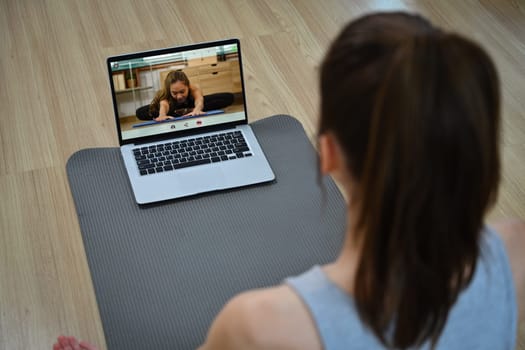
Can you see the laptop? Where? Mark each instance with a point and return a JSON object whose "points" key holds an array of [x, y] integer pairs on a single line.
{"points": [[186, 153]]}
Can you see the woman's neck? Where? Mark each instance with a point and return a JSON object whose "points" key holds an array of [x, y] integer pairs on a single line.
{"points": [[342, 271]]}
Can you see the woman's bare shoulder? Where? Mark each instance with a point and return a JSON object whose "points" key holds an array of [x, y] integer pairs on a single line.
{"points": [[264, 318]]}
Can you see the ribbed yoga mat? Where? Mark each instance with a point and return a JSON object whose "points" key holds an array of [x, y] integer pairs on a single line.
{"points": [[162, 272]]}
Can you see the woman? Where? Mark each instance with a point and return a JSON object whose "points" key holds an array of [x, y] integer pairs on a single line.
{"points": [[410, 128], [179, 97]]}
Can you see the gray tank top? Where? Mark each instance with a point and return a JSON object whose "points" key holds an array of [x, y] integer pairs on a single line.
{"points": [[484, 316]]}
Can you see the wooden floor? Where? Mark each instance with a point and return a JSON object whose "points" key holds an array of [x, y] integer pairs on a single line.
{"points": [[55, 100]]}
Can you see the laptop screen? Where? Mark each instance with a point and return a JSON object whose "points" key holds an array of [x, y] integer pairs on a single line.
{"points": [[177, 89]]}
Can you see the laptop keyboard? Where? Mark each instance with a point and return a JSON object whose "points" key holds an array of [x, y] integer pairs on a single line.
{"points": [[191, 152]]}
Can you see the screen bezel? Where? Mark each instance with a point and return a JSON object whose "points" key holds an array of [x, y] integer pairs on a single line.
{"points": [[178, 133]]}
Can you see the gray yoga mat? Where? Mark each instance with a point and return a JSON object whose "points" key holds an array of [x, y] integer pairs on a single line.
{"points": [[162, 272]]}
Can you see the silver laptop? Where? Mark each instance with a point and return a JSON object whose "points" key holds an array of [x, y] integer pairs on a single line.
{"points": [[193, 150]]}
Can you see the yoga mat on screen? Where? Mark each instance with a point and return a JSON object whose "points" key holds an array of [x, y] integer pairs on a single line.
{"points": [[162, 272]]}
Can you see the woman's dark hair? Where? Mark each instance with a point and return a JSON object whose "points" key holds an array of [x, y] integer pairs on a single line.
{"points": [[164, 93], [416, 112]]}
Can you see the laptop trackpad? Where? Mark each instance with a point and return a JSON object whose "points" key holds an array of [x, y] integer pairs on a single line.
{"points": [[195, 180]]}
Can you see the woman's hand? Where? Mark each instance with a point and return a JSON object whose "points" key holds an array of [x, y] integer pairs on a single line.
{"points": [[71, 343]]}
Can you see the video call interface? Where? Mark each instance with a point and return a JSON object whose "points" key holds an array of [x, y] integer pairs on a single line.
{"points": [[215, 71]]}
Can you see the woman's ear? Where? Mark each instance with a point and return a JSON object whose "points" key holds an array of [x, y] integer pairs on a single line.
{"points": [[328, 153]]}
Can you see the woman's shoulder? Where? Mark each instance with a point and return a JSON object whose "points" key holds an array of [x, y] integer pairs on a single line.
{"points": [[267, 318], [279, 319]]}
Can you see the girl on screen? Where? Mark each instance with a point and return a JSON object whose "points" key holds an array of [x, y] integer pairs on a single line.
{"points": [[178, 97]]}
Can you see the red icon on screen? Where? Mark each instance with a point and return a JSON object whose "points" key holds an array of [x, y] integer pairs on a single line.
{"points": [[199, 122]]}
